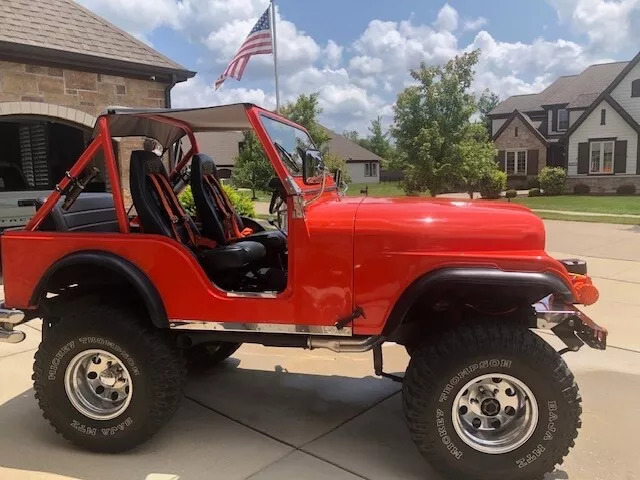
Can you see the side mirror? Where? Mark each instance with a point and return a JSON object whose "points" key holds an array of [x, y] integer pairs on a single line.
{"points": [[312, 167]]}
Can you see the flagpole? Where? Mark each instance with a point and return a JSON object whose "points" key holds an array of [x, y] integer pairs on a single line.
{"points": [[275, 53]]}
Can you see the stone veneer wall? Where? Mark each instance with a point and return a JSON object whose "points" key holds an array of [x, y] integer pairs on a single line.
{"points": [[603, 183], [86, 92]]}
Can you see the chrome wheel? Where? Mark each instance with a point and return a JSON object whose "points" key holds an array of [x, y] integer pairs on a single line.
{"points": [[98, 384], [495, 413]]}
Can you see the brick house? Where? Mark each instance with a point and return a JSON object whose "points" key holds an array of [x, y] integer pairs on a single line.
{"points": [[536, 130], [60, 65]]}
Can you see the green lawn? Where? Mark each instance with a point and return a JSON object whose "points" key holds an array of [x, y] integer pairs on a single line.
{"points": [[582, 203], [588, 218], [382, 189]]}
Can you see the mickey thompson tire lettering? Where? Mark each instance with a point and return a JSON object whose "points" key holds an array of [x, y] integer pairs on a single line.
{"points": [[157, 373], [441, 367]]}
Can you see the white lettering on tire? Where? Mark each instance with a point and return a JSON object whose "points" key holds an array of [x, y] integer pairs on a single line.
{"points": [[55, 362], [465, 372]]}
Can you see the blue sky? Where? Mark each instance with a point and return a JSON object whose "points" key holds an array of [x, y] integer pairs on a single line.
{"points": [[357, 53]]}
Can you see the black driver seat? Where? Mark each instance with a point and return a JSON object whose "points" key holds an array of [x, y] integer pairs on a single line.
{"points": [[155, 219], [212, 217]]}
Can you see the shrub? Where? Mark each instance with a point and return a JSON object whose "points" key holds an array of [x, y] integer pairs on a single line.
{"points": [[581, 189], [511, 194], [241, 202], [533, 183], [492, 184], [535, 192], [186, 200], [626, 189], [553, 180]]}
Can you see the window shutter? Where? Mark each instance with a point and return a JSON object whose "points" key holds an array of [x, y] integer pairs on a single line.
{"points": [[583, 157], [501, 160], [554, 120], [620, 157], [532, 162]]}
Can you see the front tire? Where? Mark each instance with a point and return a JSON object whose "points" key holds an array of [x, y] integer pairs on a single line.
{"points": [[105, 381], [491, 401]]}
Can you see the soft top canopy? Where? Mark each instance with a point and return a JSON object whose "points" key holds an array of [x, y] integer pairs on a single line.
{"points": [[157, 123]]}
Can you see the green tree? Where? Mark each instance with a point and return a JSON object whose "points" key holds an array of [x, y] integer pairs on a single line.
{"points": [[432, 120], [378, 140], [335, 162], [487, 102], [304, 110], [252, 168], [477, 158]]}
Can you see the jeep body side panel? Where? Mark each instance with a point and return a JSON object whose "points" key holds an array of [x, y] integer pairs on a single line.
{"points": [[398, 241], [320, 283]]}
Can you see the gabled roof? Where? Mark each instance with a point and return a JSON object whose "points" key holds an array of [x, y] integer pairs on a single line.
{"points": [[533, 126], [61, 31], [531, 102], [349, 150], [575, 91], [594, 79], [606, 95]]}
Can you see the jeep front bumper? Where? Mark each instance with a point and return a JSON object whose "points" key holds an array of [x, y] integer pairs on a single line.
{"points": [[9, 318], [571, 325]]}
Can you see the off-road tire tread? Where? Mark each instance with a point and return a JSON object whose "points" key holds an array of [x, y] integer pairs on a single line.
{"points": [[432, 356], [168, 370]]}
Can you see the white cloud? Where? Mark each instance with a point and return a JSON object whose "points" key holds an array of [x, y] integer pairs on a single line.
{"points": [[333, 54], [609, 24], [472, 24], [360, 80], [447, 19], [195, 92]]}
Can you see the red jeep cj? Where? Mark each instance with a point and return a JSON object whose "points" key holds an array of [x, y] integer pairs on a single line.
{"points": [[128, 301]]}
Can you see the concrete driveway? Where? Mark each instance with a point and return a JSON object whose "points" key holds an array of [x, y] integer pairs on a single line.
{"points": [[288, 414]]}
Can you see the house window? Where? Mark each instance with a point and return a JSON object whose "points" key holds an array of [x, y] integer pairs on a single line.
{"points": [[516, 132], [563, 119], [601, 157], [603, 116], [635, 88], [516, 163], [371, 169]]}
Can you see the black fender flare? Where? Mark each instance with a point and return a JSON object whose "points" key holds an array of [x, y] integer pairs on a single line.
{"points": [[472, 276], [121, 266]]}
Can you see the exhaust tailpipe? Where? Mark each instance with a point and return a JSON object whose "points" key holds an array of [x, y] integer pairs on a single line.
{"points": [[345, 345]]}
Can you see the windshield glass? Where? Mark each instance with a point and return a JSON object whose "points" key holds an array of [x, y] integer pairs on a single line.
{"points": [[288, 140]]}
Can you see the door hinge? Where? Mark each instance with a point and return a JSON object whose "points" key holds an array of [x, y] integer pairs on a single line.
{"points": [[343, 322]]}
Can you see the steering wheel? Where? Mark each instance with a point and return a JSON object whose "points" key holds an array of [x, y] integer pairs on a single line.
{"points": [[277, 195]]}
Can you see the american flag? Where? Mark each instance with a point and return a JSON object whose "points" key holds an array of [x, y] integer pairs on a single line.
{"points": [[258, 42]]}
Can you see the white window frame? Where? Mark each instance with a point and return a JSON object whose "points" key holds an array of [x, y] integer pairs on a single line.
{"points": [[516, 171], [558, 120], [370, 169], [600, 170]]}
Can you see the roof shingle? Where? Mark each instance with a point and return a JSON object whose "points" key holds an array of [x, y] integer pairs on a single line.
{"points": [[576, 90], [66, 26]]}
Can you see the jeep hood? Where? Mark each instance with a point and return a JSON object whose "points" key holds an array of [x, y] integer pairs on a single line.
{"points": [[414, 224]]}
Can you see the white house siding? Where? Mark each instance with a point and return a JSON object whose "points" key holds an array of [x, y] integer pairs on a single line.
{"points": [[356, 170], [574, 115], [615, 126], [622, 94], [496, 124]]}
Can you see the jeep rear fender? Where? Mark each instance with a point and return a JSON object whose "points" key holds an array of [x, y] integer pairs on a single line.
{"points": [[531, 285], [121, 269]]}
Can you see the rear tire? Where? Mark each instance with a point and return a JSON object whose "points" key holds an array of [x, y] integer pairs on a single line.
{"points": [[490, 401], [205, 356], [104, 380]]}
